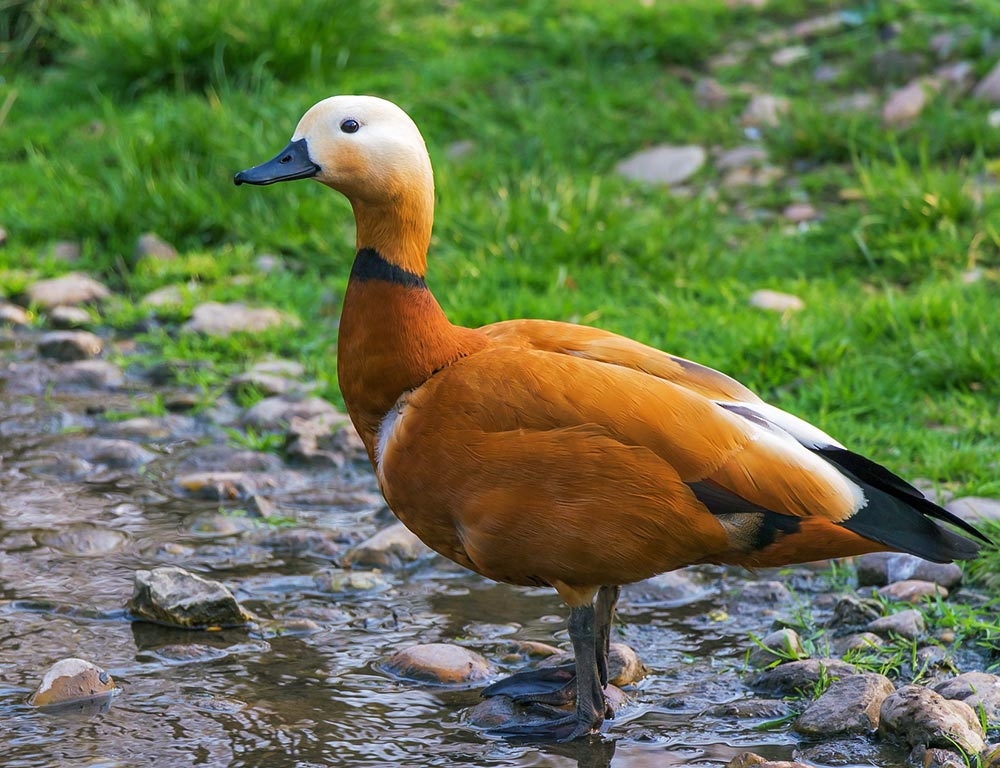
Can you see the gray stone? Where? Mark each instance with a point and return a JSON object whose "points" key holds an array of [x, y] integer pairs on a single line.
{"points": [[11, 314], [851, 611], [799, 212], [65, 250], [276, 413], [151, 246], [765, 110], [222, 458], [70, 681], [67, 346], [957, 77], [906, 103], [912, 591], [221, 485], [780, 646], [753, 760], [917, 716], [167, 296], [935, 757], [880, 568], [391, 547], [663, 164], [755, 592], [670, 589], [775, 301], [69, 290], [756, 708], [266, 384], [975, 508], [624, 665], [980, 690], [908, 624], [260, 506], [175, 597], [988, 89], [799, 676], [117, 454], [84, 540], [289, 369], [221, 320], [311, 440], [336, 580], [741, 157], [709, 93], [850, 705], [860, 641], [439, 663], [69, 317], [792, 54], [818, 25]]}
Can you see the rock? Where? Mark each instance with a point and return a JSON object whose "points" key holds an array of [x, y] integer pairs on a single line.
{"points": [[70, 681], [84, 540], [276, 413], [851, 705], [765, 110], [917, 716], [69, 290], [980, 690], [956, 77], [150, 246], [709, 93], [116, 454], [222, 458], [145, 427], [908, 624], [267, 384], [989, 757], [908, 102], [11, 314], [818, 25], [221, 320], [753, 760], [741, 157], [69, 317], [880, 568], [260, 506], [792, 54], [799, 676], [775, 301], [175, 597], [289, 369], [975, 508], [440, 663], [221, 485], [167, 296], [663, 164], [988, 89], [799, 212], [310, 440], [337, 580], [67, 346], [758, 709], [391, 547], [912, 591], [65, 250], [624, 665], [851, 611], [860, 641], [670, 589], [937, 758], [782, 645]]}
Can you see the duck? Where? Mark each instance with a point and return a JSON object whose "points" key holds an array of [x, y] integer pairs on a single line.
{"points": [[549, 454]]}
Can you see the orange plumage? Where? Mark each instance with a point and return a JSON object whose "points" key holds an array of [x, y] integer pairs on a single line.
{"points": [[545, 453]]}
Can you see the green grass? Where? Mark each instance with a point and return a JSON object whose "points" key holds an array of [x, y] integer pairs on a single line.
{"points": [[113, 125]]}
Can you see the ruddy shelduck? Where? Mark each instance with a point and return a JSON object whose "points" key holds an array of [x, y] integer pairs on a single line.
{"points": [[546, 453]]}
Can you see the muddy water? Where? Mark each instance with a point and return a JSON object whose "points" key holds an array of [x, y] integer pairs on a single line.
{"points": [[72, 533]]}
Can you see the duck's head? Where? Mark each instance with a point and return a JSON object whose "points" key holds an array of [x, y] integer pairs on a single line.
{"points": [[362, 146]]}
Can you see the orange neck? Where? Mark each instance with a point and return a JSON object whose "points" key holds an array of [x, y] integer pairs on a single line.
{"points": [[393, 337], [398, 227]]}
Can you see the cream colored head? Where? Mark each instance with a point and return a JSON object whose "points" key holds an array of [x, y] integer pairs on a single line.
{"points": [[371, 151]]}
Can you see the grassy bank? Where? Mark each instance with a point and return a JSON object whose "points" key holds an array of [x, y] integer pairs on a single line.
{"points": [[113, 124]]}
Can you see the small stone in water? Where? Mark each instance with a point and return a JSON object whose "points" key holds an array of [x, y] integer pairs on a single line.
{"points": [[72, 680], [779, 646], [441, 663], [912, 591], [851, 705], [851, 611], [799, 675], [66, 346], [980, 690], [909, 624], [391, 547], [175, 597], [349, 581], [918, 716]]}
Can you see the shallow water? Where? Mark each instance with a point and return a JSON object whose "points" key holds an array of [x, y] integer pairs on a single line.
{"points": [[72, 535]]}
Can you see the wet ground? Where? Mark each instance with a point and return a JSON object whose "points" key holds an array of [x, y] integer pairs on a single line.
{"points": [[74, 530]]}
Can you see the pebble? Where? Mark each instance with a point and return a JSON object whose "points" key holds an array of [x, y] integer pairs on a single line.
{"points": [[664, 164], [65, 250], [851, 611], [765, 110], [151, 246], [624, 665], [980, 690], [221, 320], [912, 591], [173, 596], [670, 589], [975, 508], [780, 646], [859, 641], [909, 624], [880, 568], [850, 705], [799, 212], [795, 676], [709, 93], [84, 540], [917, 716], [290, 369], [775, 301], [988, 89], [391, 547], [818, 25], [337, 580], [69, 290], [792, 54], [116, 454], [741, 157], [222, 458], [66, 346], [276, 413], [69, 317], [11, 314], [440, 663], [934, 757], [70, 681], [748, 759], [957, 77], [266, 384], [906, 103], [756, 708], [167, 296], [221, 485]]}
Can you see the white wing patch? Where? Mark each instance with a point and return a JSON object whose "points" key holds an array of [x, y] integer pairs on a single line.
{"points": [[802, 431], [387, 429]]}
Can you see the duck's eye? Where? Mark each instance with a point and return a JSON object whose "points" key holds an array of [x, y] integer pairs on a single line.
{"points": [[350, 126]]}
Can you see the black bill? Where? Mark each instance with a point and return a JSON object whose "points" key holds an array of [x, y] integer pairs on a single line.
{"points": [[291, 163]]}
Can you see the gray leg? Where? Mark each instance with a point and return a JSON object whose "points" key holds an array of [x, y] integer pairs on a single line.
{"points": [[607, 599]]}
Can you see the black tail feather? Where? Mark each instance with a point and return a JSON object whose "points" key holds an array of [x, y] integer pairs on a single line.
{"points": [[897, 513]]}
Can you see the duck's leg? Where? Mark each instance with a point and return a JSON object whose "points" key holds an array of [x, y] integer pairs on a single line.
{"points": [[556, 686], [590, 703]]}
